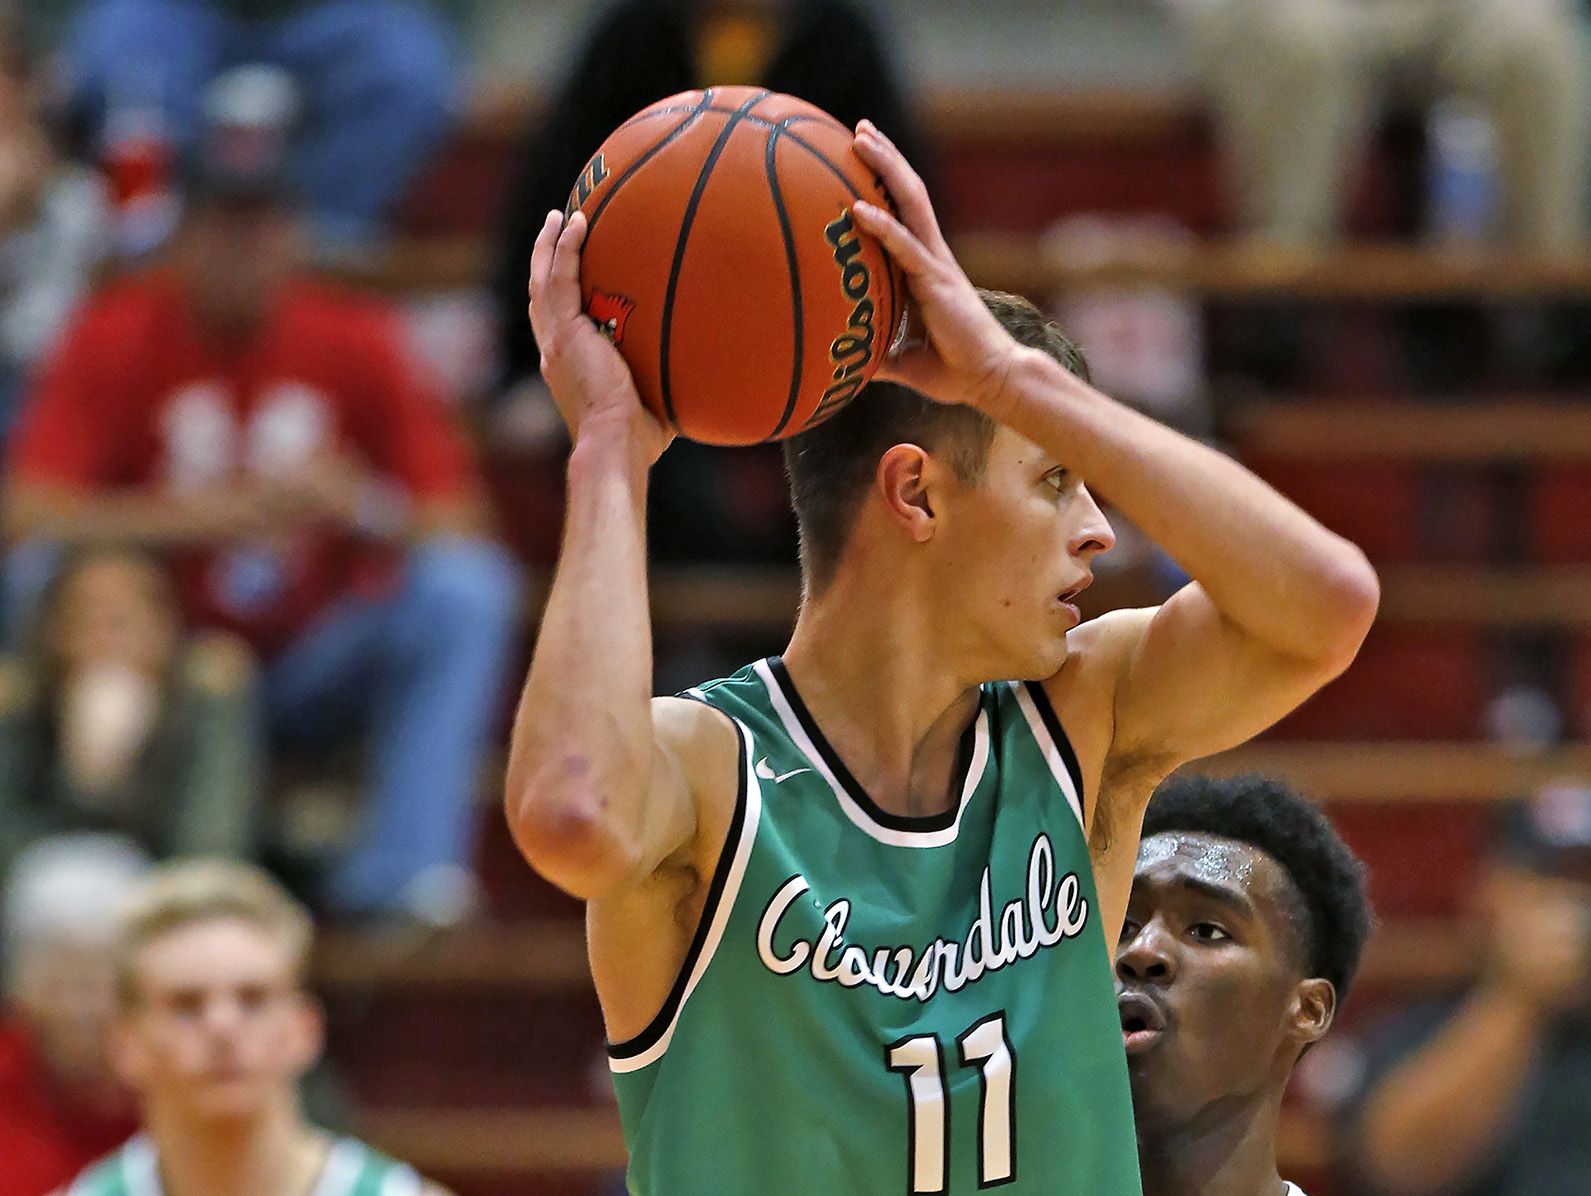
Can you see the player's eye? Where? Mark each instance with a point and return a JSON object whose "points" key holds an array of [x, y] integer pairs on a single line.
{"points": [[1058, 478], [1208, 932], [1129, 930]]}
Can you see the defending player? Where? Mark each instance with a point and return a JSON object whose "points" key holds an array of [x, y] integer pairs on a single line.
{"points": [[842, 915], [214, 1033], [1243, 932]]}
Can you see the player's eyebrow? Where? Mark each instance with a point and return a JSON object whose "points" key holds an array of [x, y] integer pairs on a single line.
{"points": [[1227, 895]]}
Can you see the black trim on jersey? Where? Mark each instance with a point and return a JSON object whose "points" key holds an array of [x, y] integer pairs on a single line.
{"points": [[658, 1026], [895, 822], [1052, 724]]}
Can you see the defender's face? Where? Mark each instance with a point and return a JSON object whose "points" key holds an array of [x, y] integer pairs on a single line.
{"points": [[1205, 978], [219, 1028], [1018, 546]]}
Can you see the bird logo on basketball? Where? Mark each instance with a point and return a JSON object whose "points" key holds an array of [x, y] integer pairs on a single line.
{"points": [[610, 313]]}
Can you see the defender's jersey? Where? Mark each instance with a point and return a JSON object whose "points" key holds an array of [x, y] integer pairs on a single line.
{"points": [[875, 1004], [352, 1169]]}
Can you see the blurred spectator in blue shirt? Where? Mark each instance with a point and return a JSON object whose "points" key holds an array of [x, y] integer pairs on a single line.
{"points": [[377, 77]]}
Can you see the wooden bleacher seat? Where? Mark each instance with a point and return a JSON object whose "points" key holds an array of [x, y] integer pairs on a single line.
{"points": [[1498, 597], [1234, 270], [1507, 429], [1390, 773]]}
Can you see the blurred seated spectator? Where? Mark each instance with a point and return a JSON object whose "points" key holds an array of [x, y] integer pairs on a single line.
{"points": [[114, 723], [52, 227], [1490, 1094], [377, 80], [1294, 84], [61, 1105], [316, 498], [705, 504]]}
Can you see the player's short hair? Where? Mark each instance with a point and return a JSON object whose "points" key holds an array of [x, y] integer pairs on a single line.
{"points": [[831, 466], [1266, 814], [188, 891]]}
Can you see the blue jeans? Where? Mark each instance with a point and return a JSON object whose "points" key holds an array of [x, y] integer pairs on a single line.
{"points": [[377, 79], [421, 673]]}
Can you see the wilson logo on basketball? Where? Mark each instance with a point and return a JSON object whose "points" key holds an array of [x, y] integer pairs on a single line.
{"points": [[852, 350], [595, 172], [610, 313]]}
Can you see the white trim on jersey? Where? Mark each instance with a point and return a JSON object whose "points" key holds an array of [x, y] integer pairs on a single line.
{"points": [[1292, 1189], [726, 902], [141, 1167], [858, 816], [343, 1163], [1047, 745]]}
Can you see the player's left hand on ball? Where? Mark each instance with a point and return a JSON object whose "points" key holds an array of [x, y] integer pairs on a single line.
{"points": [[589, 380], [961, 354]]}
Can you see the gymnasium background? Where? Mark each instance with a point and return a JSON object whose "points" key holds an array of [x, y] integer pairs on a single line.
{"points": [[1340, 238]]}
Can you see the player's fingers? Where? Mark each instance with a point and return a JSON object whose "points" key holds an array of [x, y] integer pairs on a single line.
{"points": [[541, 252], [566, 256], [905, 185], [899, 240], [541, 265]]}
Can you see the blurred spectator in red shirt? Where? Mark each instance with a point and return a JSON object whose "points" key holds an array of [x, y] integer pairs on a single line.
{"points": [[60, 1105], [314, 495]]}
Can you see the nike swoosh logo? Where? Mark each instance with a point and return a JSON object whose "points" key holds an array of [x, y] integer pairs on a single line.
{"points": [[765, 771]]}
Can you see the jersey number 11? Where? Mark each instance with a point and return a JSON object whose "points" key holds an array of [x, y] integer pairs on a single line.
{"points": [[983, 1045]]}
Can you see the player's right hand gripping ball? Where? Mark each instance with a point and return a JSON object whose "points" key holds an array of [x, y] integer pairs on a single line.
{"points": [[723, 261]]}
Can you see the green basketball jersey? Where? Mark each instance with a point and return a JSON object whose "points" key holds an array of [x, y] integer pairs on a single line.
{"points": [[876, 1004], [352, 1169]]}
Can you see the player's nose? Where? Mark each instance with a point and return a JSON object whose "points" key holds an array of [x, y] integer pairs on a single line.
{"points": [[1146, 956], [1094, 534]]}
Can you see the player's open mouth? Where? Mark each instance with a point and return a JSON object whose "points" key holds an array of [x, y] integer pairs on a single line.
{"points": [[1067, 596], [1143, 1022]]}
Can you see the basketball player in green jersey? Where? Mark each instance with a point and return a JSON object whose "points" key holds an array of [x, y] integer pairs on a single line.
{"points": [[214, 1033], [847, 910]]}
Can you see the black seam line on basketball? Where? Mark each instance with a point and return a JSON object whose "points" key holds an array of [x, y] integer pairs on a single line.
{"points": [[651, 152], [798, 330], [889, 274], [762, 122], [664, 380], [896, 301], [1052, 724], [658, 1026]]}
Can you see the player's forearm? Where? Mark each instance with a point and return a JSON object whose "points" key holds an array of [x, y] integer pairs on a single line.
{"points": [[581, 757], [1270, 568], [1441, 1113]]}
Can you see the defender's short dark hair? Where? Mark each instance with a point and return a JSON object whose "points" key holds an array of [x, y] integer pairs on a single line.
{"points": [[831, 466], [1267, 814]]}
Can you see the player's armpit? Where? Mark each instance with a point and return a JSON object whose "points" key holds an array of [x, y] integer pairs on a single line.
{"points": [[597, 844], [1192, 682]]}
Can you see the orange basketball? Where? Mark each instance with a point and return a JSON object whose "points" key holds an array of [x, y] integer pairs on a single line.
{"points": [[724, 262]]}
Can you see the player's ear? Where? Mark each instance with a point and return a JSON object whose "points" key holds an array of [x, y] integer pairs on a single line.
{"points": [[902, 478], [1314, 1007]]}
